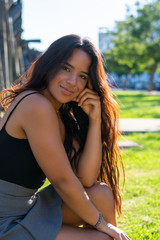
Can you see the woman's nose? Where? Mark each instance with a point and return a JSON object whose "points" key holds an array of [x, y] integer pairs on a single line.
{"points": [[72, 79]]}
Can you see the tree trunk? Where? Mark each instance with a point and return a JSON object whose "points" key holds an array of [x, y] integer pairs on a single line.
{"points": [[154, 67]]}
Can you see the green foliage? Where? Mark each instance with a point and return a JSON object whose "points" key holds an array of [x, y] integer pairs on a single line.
{"points": [[134, 104], [136, 47], [141, 196]]}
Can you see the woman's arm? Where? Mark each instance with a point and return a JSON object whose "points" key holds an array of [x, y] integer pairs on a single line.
{"points": [[41, 126], [91, 157]]}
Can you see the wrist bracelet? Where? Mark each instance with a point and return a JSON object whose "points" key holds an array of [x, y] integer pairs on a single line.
{"points": [[99, 220]]}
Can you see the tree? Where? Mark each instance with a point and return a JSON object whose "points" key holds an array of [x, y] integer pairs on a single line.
{"points": [[137, 42], [147, 30]]}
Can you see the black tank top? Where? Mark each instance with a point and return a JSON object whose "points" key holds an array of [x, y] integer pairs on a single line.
{"points": [[17, 162]]}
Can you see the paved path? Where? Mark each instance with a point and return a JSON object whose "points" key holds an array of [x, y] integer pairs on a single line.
{"points": [[140, 125]]}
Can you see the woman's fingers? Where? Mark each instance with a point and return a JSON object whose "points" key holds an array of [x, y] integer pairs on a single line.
{"points": [[114, 232], [89, 101], [127, 237], [87, 93], [86, 90], [87, 96], [124, 236]]}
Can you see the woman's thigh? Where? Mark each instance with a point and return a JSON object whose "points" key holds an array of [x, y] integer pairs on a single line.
{"points": [[102, 197], [75, 233]]}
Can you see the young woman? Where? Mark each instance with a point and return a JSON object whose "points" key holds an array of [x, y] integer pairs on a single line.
{"points": [[61, 123]]}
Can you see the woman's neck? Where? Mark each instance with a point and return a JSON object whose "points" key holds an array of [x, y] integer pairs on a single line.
{"points": [[53, 101]]}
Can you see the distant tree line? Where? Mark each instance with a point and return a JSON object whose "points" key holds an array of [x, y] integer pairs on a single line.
{"points": [[136, 47]]}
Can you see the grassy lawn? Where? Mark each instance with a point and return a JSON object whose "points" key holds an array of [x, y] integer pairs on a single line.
{"points": [[141, 195], [134, 104]]}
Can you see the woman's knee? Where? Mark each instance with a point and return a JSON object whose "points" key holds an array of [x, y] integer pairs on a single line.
{"points": [[102, 197], [101, 192]]}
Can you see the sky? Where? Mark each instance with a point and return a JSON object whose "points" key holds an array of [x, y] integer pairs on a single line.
{"points": [[49, 20]]}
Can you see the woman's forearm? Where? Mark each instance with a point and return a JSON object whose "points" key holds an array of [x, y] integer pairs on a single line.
{"points": [[91, 157], [74, 195]]}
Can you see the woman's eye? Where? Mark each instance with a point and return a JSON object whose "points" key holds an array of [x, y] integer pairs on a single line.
{"points": [[83, 77], [66, 68]]}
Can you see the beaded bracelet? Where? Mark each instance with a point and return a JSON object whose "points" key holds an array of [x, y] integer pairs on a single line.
{"points": [[99, 220]]}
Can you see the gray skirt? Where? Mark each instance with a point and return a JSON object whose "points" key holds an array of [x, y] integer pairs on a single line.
{"points": [[28, 214]]}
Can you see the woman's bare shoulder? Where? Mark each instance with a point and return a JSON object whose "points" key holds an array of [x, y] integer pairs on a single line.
{"points": [[36, 103], [35, 109]]}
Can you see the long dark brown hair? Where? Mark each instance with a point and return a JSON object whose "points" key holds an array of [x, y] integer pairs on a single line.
{"points": [[75, 120]]}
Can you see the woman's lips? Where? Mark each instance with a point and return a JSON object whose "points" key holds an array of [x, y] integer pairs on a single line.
{"points": [[66, 91]]}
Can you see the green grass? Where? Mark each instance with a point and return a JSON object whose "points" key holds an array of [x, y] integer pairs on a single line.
{"points": [[135, 104], [141, 195]]}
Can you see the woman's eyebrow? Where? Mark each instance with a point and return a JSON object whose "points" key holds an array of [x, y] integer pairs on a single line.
{"points": [[73, 68]]}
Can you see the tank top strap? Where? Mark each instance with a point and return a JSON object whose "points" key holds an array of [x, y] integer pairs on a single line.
{"points": [[16, 106]]}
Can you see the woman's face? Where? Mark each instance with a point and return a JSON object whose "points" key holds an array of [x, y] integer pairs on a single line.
{"points": [[70, 80]]}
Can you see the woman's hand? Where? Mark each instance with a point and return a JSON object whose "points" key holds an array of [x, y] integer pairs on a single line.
{"points": [[89, 101], [112, 231]]}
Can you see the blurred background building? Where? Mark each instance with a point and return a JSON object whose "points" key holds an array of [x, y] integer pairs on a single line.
{"points": [[15, 54], [105, 37]]}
